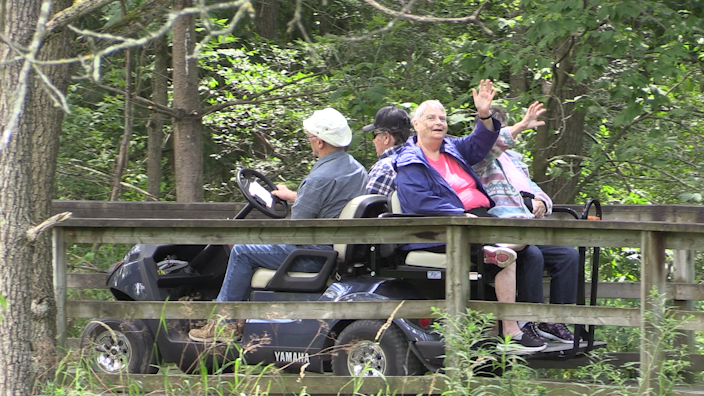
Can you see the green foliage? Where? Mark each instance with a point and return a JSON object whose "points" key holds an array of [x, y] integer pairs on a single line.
{"points": [[662, 341], [473, 358]]}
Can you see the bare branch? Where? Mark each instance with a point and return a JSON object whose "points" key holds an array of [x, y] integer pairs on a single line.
{"points": [[474, 18], [219, 107], [77, 10], [151, 105], [47, 224], [123, 184], [383, 30]]}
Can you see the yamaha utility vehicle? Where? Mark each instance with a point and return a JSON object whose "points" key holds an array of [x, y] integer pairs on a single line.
{"points": [[351, 273]]}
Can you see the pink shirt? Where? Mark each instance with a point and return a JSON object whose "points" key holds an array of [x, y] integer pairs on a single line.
{"points": [[460, 181]]}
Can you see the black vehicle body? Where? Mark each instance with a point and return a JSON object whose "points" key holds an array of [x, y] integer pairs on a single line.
{"points": [[196, 272], [292, 342]]}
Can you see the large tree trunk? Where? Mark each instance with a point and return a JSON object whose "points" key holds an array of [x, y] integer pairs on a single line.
{"points": [[188, 156], [44, 121], [155, 126], [23, 200], [567, 143]]}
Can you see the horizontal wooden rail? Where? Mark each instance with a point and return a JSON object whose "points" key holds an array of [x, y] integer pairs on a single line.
{"points": [[334, 385], [386, 230], [577, 314], [627, 290], [224, 210]]}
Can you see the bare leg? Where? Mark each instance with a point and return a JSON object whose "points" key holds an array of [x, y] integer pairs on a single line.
{"points": [[505, 285]]}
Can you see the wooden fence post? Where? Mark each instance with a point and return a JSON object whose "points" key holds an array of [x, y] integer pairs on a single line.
{"points": [[457, 285], [59, 262], [653, 277], [684, 273]]}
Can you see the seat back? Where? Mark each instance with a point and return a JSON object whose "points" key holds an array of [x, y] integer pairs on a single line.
{"points": [[394, 203], [363, 206], [417, 258]]}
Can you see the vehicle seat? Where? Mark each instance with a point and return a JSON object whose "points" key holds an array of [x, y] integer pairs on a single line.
{"points": [[363, 206], [417, 258], [281, 280]]}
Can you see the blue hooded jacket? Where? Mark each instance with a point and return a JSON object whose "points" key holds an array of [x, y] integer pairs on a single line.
{"points": [[422, 190]]}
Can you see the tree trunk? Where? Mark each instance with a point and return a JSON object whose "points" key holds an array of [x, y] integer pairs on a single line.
{"points": [[27, 166], [44, 121], [124, 151], [155, 126], [187, 125], [267, 19], [563, 133]]}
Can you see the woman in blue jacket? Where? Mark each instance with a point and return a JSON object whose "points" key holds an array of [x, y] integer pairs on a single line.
{"points": [[435, 177]]}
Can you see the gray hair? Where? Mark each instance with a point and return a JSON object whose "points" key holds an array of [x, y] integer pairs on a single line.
{"points": [[499, 114], [428, 103]]}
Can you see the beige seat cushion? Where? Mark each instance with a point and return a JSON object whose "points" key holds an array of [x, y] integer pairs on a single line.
{"points": [[262, 277]]}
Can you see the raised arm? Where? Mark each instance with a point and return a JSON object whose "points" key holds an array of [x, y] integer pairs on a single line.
{"points": [[482, 101]]}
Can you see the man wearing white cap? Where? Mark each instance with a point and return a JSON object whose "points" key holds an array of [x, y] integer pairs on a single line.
{"points": [[334, 180]]}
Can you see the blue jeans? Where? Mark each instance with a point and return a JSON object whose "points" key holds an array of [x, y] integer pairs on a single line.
{"points": [[246, 259], [561, 263]]}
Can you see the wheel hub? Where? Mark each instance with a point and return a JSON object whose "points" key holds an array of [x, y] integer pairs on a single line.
{"points": [[366, 359], [112, 352]]}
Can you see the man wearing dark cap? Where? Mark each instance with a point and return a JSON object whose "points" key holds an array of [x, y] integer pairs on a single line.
{"points": [[391, 128]]}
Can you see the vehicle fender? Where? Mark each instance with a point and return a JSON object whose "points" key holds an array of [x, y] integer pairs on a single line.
{"points": [[136, 281], [378, 289]]}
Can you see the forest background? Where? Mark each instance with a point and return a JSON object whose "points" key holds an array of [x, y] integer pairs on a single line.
{"points": [[164, 99]]}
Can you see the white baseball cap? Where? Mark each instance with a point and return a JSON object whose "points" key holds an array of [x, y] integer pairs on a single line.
{"points": [[330, 126]]}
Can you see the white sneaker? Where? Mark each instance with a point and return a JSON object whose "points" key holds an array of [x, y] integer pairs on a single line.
{"points": [[500, 256]]}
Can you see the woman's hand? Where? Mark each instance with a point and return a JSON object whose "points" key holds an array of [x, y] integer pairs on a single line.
{"points": [[483, 97], [539, 208]]}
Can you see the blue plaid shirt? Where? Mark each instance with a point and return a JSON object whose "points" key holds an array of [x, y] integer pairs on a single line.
{"points": [[382, 174]]}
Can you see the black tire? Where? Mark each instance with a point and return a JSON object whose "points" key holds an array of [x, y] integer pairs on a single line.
{"points": [[113, 345], [356, 348]]}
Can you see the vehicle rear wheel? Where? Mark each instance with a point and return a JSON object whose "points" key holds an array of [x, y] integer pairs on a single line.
{"points": [[359, 354], [114, 346]]}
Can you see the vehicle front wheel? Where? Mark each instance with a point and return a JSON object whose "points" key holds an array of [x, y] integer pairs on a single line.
{"points": [[116, 346], [358, 353]]}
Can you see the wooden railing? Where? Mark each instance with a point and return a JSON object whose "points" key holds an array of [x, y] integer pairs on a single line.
{"points": [[656, 229]]}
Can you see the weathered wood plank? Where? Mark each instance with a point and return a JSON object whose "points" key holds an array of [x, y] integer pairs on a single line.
{"points": [[151, 210], [627, 290], [363, 310], [58, 247], [664, 213], [387, 230], [617, 359], [326, 384], [684, 273], [86, 281], [222, 210], [653, 278]]}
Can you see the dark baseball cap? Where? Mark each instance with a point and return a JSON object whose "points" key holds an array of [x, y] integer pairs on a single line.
{"points": [[390, 117]]}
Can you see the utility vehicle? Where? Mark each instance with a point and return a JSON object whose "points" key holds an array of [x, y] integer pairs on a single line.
{"points": [[355, 272]]}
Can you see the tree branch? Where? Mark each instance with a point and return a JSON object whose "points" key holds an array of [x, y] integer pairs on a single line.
{"points": [[222, 106], [474, 18], [77, 10], [383, 30], [150, 104], [47, 224]]}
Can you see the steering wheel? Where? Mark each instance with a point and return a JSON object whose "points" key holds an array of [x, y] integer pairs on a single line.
{"points": [[257, 189]]}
